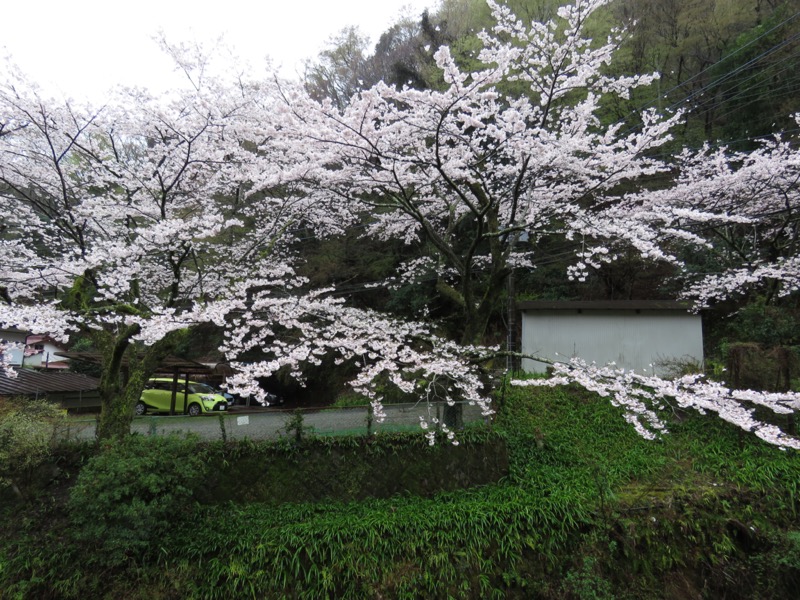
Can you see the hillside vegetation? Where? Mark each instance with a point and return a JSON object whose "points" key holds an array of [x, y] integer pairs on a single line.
{"points": [[588, 510]]}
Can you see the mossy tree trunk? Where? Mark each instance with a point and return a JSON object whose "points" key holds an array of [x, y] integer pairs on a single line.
{"points": [[478, 293], [125, 364], [126, 369]]}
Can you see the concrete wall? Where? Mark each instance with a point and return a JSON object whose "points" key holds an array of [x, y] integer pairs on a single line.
{"points": [[632, 339]]}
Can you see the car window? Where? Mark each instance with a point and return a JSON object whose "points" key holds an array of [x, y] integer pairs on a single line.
{"points": [[164, 386], [201, 388]]}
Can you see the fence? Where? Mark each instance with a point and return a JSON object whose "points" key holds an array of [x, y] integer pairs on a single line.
{"points": [[78, 401], [273, 423]]}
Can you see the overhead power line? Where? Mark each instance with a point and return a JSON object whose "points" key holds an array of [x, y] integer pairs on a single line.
{"points": [[736, 71], [726, 57], [724, 77]]}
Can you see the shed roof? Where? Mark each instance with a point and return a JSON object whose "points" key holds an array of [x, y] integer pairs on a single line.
{"points": [[29, 383], [603, 305]]}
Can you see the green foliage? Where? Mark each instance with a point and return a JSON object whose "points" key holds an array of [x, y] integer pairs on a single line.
{"points": [[789, 558], [585, 583], [589, 510], [84, 344], [133, 492], [201, 341], [757, 81], [28, 433], [766, 324], [757, 346], [568, 432], [728, 63], [350, 400], [416, 548], [322, 469], [349, 262]]}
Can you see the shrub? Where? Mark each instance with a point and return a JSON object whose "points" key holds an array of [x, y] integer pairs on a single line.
{"points": [[350, 400], [296, 428], [134, 491], [28, 435]]}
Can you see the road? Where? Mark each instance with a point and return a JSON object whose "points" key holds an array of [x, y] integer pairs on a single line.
{"points": [[270, 423]]}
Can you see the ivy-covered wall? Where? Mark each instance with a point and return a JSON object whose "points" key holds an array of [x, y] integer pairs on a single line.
{"points": [[353, 469]]}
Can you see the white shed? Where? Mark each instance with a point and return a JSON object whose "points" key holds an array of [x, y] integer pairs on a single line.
{"points": [[638, 335]]}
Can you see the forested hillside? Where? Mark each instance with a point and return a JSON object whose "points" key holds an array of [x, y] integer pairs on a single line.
{"points": [[731, 64]]}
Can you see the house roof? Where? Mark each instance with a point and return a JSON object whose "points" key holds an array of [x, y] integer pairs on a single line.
{"points": [[37, 339], [603, 305], [30, 383]]}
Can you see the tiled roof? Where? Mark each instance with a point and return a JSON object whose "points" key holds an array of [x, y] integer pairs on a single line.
{"points": [[30, 383]]}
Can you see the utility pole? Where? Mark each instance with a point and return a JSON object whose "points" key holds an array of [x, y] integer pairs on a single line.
{"points": [[511, 339]]}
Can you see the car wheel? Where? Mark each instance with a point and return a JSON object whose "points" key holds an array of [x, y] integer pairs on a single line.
{"points": [[194, 410], [140, 408]]}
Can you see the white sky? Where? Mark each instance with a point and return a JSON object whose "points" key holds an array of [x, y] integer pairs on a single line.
{"points": [[81, 48]]}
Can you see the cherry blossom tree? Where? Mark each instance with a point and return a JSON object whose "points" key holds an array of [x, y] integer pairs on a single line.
{"points": [[127, 215], [759, 251], [645, 400], [135, 221], [521, 146], [518, 146]]}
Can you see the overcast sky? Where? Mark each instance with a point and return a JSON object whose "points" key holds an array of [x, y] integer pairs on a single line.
{"points": [[80, 48]]}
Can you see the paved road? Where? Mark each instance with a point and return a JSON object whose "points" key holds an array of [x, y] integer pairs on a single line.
{"points": [[270, 423]]}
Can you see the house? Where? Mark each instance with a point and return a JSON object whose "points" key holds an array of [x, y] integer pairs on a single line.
{"points": [[16, 337], [34, 351], [37, 372], [641, 335], [40, 353]]}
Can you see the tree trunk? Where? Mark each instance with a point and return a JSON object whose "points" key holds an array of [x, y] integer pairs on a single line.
{"points": [[121, 383], [116, 414], [476, 320]]}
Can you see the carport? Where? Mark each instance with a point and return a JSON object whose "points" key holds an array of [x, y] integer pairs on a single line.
{"points": [[178, 368]]}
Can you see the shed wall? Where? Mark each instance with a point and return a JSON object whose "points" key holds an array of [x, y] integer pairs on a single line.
{"points": [[633, 340]]}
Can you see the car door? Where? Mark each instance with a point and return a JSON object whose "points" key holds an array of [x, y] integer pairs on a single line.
{"points": [[158, 396], [180, 397], [153, 396]]}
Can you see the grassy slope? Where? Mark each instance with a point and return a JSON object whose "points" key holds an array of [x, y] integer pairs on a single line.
{"points": [[589, 511]]}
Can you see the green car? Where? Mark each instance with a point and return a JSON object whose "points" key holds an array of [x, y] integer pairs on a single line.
{"points": [[157, 397]]}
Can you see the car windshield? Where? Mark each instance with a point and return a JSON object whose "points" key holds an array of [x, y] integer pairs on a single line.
{"points": [[201, 388]]}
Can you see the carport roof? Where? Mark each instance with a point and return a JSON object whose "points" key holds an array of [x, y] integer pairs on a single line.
{"points": [[169, 365]]}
